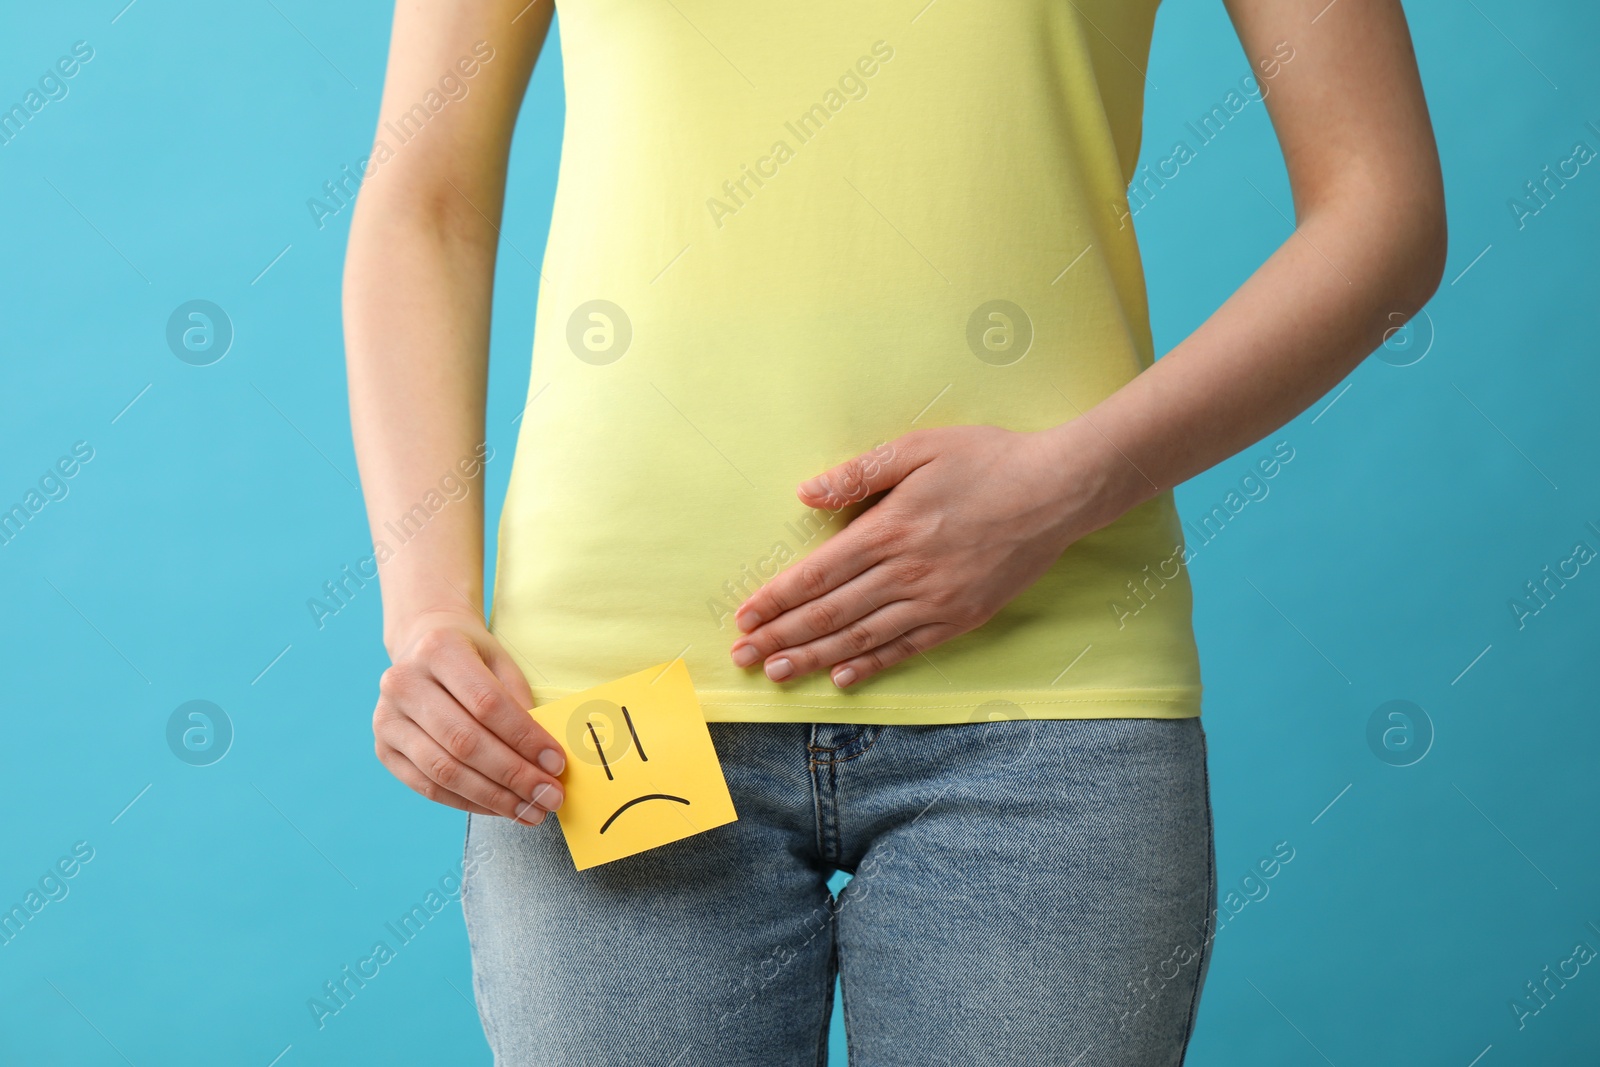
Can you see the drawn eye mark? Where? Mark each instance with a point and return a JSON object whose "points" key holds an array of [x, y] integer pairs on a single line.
{"points": [[634, 734], [600, 751], [639, 800]]}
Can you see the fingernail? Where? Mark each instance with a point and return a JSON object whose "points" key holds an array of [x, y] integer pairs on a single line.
{"points": [[779, 669], [552, 761], [844, 677], [745, 655], [529, 815], [812, 487], [747, 622], [547, 797]]}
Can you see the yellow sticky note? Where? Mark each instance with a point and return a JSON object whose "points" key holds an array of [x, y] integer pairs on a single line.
{"points": [[641, 770]]}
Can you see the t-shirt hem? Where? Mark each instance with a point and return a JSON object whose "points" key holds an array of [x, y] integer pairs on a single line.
{"points": [[931, 709]]}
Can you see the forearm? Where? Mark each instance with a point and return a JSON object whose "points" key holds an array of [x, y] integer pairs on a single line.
{"points": [[1368, 252], [418, 282], [1323, 301]]}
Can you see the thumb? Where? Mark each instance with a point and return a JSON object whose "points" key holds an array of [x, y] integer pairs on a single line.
{"points": [[859, 477]]}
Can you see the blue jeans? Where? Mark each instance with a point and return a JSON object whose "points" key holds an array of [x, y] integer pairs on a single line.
{"points": [[1024, 893]]}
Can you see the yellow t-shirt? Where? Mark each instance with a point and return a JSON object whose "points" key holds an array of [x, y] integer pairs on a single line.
{"points": [[781, 237]]}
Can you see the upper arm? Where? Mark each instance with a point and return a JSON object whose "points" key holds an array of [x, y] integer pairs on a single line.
{"points": [[1346, 100], [456, 76]]}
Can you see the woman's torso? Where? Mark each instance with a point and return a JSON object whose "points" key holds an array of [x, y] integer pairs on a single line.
{"points": [[783, 236]]}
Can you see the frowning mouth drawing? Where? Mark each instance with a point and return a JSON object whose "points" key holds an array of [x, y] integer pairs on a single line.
{"points": [[639, 800], [600, 751]]}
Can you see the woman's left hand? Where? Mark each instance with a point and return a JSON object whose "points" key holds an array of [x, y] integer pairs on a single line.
{"points": [[973, 515]]}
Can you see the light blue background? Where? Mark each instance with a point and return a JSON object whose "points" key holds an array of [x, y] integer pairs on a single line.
{"points": [[179, 565]]}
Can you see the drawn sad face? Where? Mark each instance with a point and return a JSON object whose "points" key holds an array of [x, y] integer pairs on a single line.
{"points": [[610, 737], [641, 767]]}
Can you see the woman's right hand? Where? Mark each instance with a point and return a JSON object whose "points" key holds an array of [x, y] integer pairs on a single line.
{"points": [[452, 723]]}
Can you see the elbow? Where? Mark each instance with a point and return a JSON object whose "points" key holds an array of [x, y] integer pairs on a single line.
{"points": [[1409, 245], [1426, 244], [1391, 223], [1430, 247]]}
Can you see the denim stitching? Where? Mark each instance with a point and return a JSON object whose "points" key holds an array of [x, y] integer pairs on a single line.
{"points": [[844, 1003], [491, 1032], [827, 1002], [1211, 901], [870, 735], [831, 814], [818, 802]]}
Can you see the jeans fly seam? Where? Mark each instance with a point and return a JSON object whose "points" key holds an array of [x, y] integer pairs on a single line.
{"points": [[835, 844], [818, 802]]}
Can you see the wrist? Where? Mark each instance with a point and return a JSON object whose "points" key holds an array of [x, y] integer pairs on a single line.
{"points": [[1102, 481], [402, 628]]}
